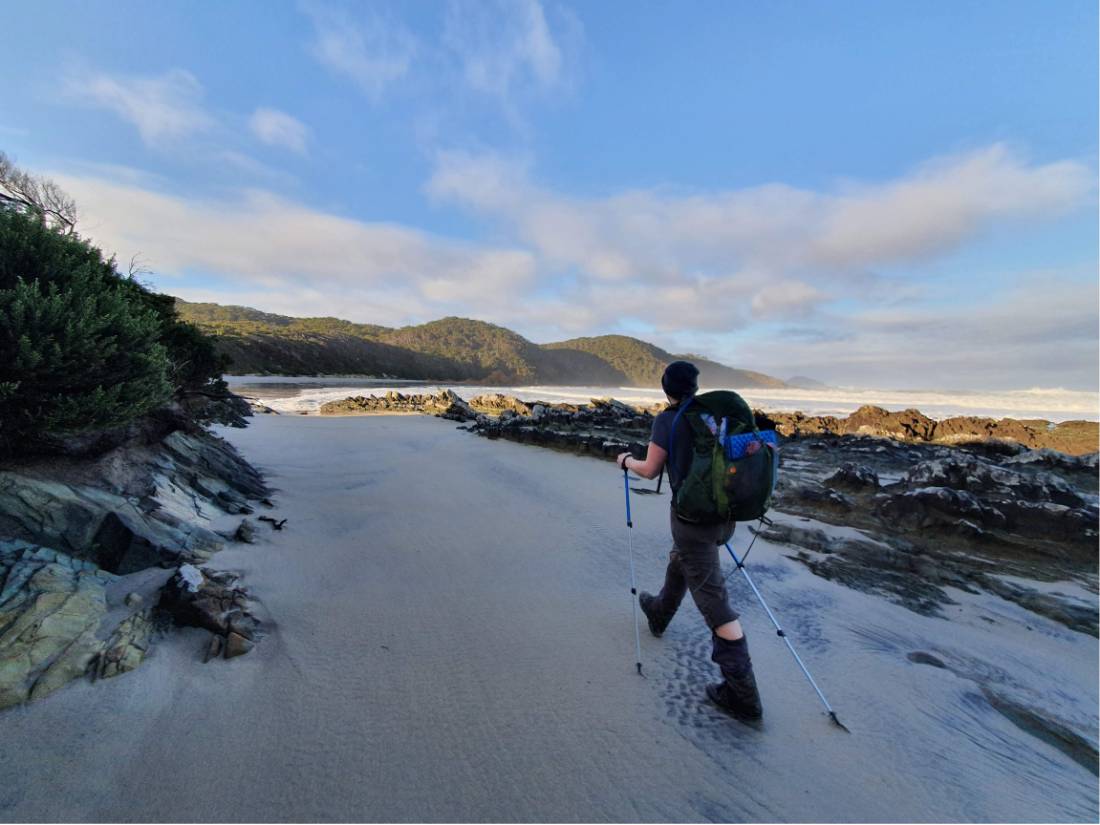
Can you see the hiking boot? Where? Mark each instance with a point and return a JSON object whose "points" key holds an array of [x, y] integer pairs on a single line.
{"points": [[737, 695], [739, 699], [656, 619]]}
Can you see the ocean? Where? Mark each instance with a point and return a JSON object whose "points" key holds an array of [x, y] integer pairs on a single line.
{"points": [[305, 394]]}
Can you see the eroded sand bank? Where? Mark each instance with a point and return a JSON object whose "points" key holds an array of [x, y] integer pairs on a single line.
{"points": [[451, 640]]}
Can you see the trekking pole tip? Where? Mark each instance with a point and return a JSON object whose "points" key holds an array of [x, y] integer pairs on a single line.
{"points": [[639, 666], [837, 722]]}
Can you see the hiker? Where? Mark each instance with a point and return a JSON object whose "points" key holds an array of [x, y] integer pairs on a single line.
{"points": [[693, 563]]}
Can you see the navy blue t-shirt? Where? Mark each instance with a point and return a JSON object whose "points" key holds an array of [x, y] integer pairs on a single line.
{"points": [[680, 464]]}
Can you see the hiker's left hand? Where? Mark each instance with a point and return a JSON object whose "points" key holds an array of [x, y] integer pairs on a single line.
{"points": [[622, 457]]}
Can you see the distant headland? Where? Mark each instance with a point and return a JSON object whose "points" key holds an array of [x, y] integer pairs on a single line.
{"points": [[450, 349]]}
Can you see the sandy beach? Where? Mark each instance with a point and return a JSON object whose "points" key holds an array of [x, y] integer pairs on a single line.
{"points": [[450, 639]]}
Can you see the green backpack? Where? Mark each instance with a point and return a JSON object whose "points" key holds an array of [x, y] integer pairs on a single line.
{"points": [[733, 464]]}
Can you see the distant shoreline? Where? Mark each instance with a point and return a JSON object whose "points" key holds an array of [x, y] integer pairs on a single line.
{"points": [[605, 425], [295, 394]]}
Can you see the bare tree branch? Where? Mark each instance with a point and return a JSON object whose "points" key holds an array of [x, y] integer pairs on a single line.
{"points": [[37, 195], [137, 267]]}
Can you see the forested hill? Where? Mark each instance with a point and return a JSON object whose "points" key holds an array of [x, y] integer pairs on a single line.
{"points": [[643, 363], [456, 349]]}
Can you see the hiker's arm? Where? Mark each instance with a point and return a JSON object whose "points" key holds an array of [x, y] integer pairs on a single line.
{"points": [[654, 460]]}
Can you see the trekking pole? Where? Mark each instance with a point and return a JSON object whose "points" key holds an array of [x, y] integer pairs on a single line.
{"points": [[783, 635], [633, 586]]}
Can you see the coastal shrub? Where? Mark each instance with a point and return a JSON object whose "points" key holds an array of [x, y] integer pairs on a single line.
{"points": [[194, 364], [80, 346]]}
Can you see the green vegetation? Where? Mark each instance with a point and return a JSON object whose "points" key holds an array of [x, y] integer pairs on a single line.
{"points": [[78, 349], [260, 342], [236, 320], [82, 347], [457, 349], [478, 350], [194, 363], [640, 363]]}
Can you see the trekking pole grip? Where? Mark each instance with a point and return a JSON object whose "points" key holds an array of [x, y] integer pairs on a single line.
{"points": [[626, 492]]}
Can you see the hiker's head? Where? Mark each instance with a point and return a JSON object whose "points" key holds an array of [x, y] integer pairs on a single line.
{"points": [[681, 379]]}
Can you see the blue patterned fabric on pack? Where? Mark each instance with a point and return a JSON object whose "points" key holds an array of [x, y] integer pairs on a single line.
{"points": [[738, 445]]}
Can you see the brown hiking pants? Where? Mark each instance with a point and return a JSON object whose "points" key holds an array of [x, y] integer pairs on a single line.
{"points": [[694, 565]]}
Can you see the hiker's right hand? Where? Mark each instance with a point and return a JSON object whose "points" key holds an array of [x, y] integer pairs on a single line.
{"points": [[621, 460]]}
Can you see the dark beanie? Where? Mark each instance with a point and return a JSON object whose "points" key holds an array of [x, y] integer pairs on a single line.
{"points": [[680, 379]]}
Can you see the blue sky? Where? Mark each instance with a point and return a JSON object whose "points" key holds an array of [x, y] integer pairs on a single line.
{"points": [[880, 194]]}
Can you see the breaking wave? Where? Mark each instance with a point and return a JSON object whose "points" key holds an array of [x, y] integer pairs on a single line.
{"points": [[306, 394]]}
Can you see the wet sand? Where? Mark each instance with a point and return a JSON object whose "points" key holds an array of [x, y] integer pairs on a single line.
{"points": [[450, 639]]}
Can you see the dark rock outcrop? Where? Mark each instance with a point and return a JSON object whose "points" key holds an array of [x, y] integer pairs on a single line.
{"points": [[603, 427], [246, 532], [445, 404], [132, 507], [86, 545], [585, 427], [1070, 437], [212, 600], [944, 517], [61, 618]]}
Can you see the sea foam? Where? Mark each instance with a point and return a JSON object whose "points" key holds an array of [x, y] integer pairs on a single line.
{"points": [[306, 395]]}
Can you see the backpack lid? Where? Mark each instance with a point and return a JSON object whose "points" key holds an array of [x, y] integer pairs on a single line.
{"points": [[727, 404], [720, 404]]}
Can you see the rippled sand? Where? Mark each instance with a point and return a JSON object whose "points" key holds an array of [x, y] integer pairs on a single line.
{"points": [[450, 639]]}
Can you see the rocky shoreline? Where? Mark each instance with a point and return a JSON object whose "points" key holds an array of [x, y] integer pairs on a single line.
{"points": [[579, 427], [930, 508], [99, 555]]}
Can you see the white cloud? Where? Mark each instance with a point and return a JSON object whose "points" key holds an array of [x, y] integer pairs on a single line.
{"points": [[277, 128], [504, 51], [488, 182], [371, 50], [503, 45], [771, 251], [942, 205], [163, 108], [231, 158], [786, 299], [1041, 333], [258, 241]]}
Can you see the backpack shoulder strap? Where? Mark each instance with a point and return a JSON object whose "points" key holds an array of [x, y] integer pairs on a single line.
{"points": [[672, 429]]}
